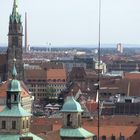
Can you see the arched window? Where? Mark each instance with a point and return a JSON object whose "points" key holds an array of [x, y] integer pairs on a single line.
{"points": [[69, 121]]}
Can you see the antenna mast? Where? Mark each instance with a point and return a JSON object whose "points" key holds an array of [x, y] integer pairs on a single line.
{"points": [[99, 49]]}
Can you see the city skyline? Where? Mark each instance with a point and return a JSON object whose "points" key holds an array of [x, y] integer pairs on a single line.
{"points": [[75, 22]]}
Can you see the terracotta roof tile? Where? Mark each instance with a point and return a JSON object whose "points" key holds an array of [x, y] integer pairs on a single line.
{"points": [[3, 89], [40, 74], [132, 75], [135, 135], [56, 74], [109, 126], [108, 131], [91, 106]]}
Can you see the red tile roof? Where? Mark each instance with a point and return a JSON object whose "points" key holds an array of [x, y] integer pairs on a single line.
{"points": [[108, 131], [126, 125], [3, 89], [91, 106], [132, 75], [135, 135], [35, 74], [56, 74]]}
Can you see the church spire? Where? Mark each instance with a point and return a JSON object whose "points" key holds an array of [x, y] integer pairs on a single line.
{"points": [[15, 43], [15, 17], [15, 8]]}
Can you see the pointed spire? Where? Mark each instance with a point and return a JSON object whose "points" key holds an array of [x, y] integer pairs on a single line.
{"points": [[15, 7], [14, 72], [15, 15]]}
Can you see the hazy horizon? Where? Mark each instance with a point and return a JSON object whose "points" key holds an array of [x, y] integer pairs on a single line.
{"points": [[75, 22], [83, 46]]}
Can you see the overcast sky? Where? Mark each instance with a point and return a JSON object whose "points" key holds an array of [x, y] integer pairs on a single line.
{"points": [[66, 22]]}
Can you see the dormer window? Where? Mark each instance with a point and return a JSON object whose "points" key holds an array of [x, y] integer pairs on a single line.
{"points": [[3, 125], [13, 124]]}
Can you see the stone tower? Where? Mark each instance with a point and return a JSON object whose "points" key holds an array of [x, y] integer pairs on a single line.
{"points": [[15, 43], [72, 129], [14, 120]]}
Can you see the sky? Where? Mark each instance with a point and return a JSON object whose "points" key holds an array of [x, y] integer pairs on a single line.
{"points": [[75, 22]]}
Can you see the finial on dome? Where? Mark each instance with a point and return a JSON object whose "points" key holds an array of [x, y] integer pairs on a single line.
{"points": [[14, 72]]}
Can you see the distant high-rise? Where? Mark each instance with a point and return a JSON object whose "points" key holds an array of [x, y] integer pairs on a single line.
{"points": [[15, 42], [120, 48], [27, 47]]}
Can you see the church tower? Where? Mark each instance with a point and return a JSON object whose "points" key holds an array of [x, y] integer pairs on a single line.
{"points": [[15, 43], [72, 129]]}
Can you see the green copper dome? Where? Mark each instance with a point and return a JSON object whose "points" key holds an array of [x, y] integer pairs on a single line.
{"points": [[71, 105], [14, 86]]}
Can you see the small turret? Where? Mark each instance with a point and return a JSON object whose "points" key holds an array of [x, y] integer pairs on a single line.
{"points": [[14, 89], [72, 128]]}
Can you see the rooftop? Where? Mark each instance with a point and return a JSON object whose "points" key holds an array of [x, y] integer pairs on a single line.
{"points": [[76, 133], [71, 105], [18, 136], [15, 111]]}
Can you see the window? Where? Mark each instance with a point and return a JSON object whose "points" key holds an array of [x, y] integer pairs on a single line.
{"points": [[3, 126], [122, 138], [27, 124], [79, 120], [15, 97], [13, 124], [94, 137], [23, 124], [69, 121], [103, 137], [113, 138]]}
